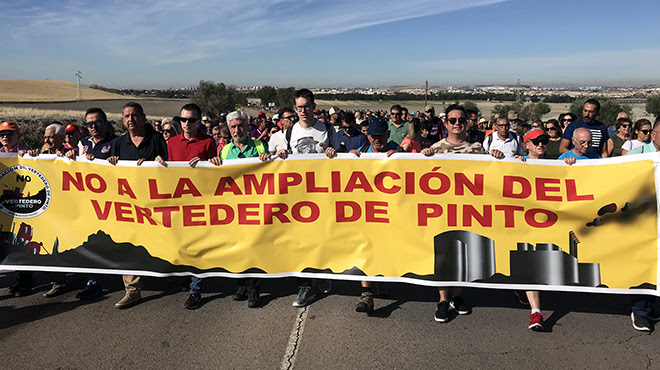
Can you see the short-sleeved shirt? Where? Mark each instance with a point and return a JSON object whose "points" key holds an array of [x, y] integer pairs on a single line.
{"points": [[598, 131], [426, 142], [444, 146], [648, 148], [153, 145], [355, 141], [277, 141], [181, 149], [99, 150], [510, 147], [397, 133], [251, 149], [313, 139], [414, 144], [571, 154], [390, 146], [15, 149]]}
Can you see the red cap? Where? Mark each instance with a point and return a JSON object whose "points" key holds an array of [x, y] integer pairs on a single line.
{"points": [[261, 114], [533, 134], [316, 111], [71, 128]]}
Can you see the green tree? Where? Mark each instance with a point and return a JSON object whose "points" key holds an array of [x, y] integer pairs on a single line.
{"points": [[534, 112], [267, 94], [284, 98], [503, 109], [609, 108], [472, 106], [653, 105], [215, 98]]}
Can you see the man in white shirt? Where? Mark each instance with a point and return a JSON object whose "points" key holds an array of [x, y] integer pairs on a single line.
{"points": [[502, 141]]}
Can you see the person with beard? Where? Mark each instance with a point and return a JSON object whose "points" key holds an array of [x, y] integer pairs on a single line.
{"points": [[598, 130]]}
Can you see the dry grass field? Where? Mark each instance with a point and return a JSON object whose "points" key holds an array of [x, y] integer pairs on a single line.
{"points": [[18, 90]]}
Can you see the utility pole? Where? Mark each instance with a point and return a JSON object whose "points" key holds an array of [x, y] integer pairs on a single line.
{"points": [[426, 94], [518, 90], [79, 75]]}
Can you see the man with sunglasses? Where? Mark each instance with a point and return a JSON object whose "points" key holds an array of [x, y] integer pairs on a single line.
{"points": [[9, 135], [582, 145], [98, 143], [598, 131], [192, 145], [278, 141], [397, 126], [437, 130], [502, 142]]}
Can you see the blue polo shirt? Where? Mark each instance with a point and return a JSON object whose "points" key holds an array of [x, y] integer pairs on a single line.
{"points": [[571, 154], [356, 141]]}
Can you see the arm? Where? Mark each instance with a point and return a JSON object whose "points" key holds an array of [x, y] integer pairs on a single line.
{"points": [[564, 146], [609, 147]]}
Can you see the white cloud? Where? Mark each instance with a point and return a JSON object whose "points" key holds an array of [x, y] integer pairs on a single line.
{"points": [[173, 31]]}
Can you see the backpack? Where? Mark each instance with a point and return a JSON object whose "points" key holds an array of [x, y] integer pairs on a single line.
{"points": [[329, 129]]}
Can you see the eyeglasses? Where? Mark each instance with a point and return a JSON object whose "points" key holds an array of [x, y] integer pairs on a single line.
{"points": [[567, 120], [7, 133], [91, 124], [226, 138], [461, 121], [503, 125], [395, 114], [301, 108], [645, 132], [291, 118], [583, 142], [165, 131], [540, 140], [186, 120], [552, 128]]}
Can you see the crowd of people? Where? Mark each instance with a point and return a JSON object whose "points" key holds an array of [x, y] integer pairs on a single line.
{"points": [[192, 137]]}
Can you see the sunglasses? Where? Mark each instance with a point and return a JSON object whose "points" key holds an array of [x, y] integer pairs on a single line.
{"points": [[461, 121], [540, 140], [165, 131], [395, 114], [645, 132], [504, 125], [552, 129], [91, 124], [6, 133], [186, 120], [292, 118], [626, 126]]}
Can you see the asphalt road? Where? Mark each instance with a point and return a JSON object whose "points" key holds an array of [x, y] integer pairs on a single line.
{"points": [[582, 330]]}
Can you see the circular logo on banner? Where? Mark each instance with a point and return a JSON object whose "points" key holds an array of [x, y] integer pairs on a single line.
{"points": [[25, 192]]}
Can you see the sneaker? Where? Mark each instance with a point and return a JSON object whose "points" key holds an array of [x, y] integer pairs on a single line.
{"points": [[194, 301], [241, 294], [305, 296], [640, 322], [253, 298], [18, 290], [522, 297], [536, 321], [442, 312], [129, 300], [653, 316], [460, 306], [324, 285], [55, 290], [92, 290], [365, 302]]}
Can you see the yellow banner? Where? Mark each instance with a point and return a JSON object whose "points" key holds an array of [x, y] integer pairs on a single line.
{"points": [[444, 220]]}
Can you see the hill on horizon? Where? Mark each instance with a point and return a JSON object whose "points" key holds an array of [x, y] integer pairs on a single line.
{"points": [[24, 90]]}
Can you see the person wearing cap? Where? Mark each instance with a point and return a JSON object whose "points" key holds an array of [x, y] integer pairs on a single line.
{"points": [[278, 140], [598, 130], [514, 119], [378, 134], [208, 124], [438, 131], [502, 142], [276, 120], [536, 141], [335, 120], [73, 136], [349, 136], [9, 137]]}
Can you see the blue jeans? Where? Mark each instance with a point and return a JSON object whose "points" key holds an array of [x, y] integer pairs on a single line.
{"points": [[195, 285], [641, 304]]}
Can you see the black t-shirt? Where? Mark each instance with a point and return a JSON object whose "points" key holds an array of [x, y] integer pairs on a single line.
{"points": [[153, 145]]}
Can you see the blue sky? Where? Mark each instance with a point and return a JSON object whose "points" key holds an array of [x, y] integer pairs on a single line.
{"points": [[316, 43]]}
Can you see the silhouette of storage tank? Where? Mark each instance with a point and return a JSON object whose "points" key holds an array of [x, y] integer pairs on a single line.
{"points": [[546, 263], [463, 256]]}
